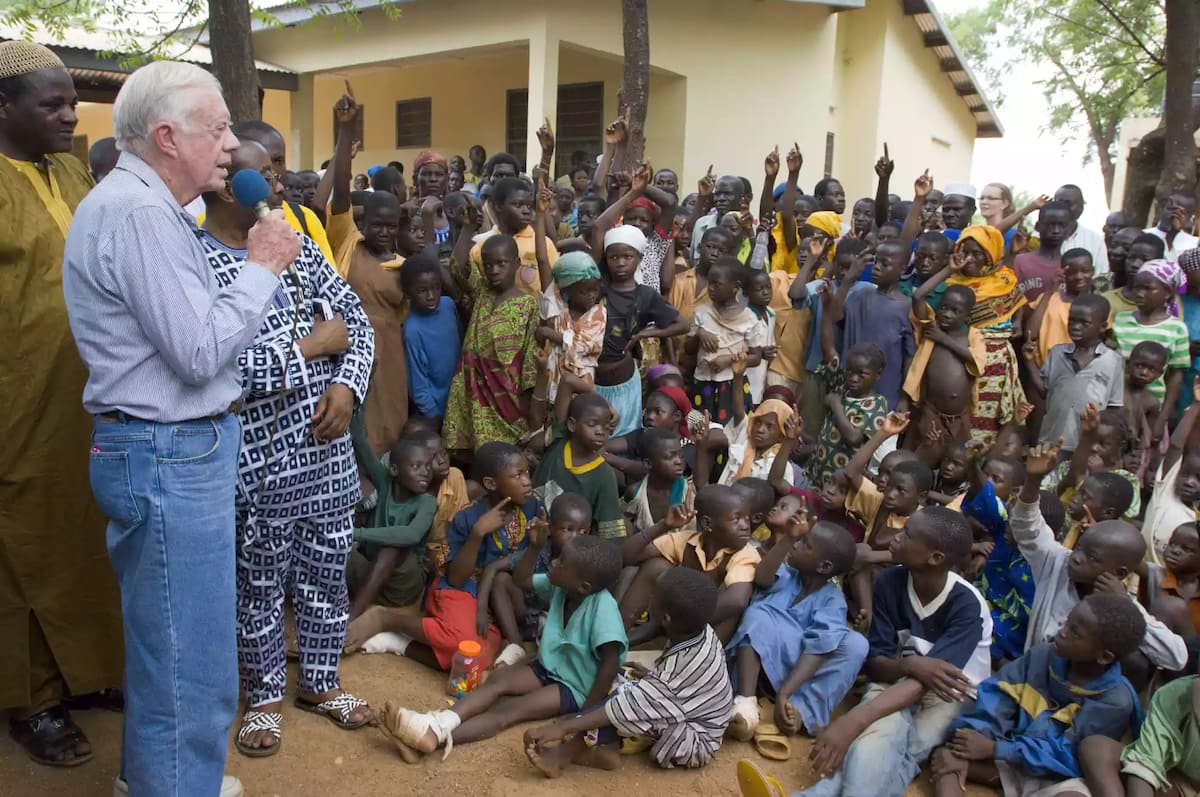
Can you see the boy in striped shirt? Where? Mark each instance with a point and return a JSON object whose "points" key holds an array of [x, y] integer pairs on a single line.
{"points": [[682, 706]]}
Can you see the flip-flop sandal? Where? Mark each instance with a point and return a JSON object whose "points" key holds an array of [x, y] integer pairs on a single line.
{"points": [[769, 741], [388, 726], [753, 782], [254, 721], [48, 734], [337, 710]]}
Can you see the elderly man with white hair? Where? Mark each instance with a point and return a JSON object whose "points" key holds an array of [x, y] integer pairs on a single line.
{"points": [[161, 339]]}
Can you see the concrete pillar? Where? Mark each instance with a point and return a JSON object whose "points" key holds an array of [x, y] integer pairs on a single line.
{"points": [[543, 88], [300, 138]]}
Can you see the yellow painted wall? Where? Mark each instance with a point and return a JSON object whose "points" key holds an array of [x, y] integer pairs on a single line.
{"points": [[731, 80], [921, 116], [95, 121]]}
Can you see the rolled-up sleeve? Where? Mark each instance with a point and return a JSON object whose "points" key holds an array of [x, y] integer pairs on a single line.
{"points": [[196, 333]]}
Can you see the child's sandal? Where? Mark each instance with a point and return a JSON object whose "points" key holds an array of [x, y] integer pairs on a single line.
{"points": [[753, 782]]}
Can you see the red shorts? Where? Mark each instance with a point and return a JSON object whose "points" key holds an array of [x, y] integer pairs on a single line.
{"points": [[450, 619]]}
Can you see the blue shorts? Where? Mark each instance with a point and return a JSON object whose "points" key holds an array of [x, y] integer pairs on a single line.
{"points": [[567, 703]]}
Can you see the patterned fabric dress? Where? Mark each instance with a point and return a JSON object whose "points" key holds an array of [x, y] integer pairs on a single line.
{"points": [[497, 366], [865, 413], [295, 494]]}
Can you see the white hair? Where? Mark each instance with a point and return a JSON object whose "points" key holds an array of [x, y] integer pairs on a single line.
{"points": [[161, 91]]}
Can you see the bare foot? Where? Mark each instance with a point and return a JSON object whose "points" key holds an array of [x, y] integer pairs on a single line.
{"points": [[365, 626], [861, 621], [550, 760], [787, 719]]}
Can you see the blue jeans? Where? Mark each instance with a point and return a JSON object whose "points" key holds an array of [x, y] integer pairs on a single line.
{"points": [[887, 756], [168, 491]]}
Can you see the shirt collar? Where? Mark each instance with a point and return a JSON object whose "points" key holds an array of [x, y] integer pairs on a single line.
{"points": [[128, 162], [697, 542], [1097, 349]]}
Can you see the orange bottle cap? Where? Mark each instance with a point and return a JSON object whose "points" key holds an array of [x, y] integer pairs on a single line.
{"points": [[469, 647]]}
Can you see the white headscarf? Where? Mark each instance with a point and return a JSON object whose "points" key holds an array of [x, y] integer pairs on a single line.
{"points": [[628, 235]]}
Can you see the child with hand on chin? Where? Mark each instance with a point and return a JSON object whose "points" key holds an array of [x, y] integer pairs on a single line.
{"points": [[680, 707]]}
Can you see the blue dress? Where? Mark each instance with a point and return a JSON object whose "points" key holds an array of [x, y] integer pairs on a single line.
{"points": [[781, 630]]}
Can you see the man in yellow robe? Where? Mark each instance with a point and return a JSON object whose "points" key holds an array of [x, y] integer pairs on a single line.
{"points": [[60, 622]]}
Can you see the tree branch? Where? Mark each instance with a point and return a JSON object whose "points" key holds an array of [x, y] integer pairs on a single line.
{"points": [[1108, 8]]}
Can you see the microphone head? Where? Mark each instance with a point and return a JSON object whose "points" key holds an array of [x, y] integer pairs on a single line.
{"points": [[250, 188]]}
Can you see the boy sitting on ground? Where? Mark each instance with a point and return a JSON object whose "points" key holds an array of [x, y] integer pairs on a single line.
{"points": [[582, 647], [1104, 556], [1016, 736], [682, 705], [928, 652], [719, 546]]}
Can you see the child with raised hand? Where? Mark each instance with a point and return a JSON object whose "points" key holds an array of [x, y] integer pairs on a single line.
{"points": [[950, 357], [928, 652], [1105, 554], [452, 490], [1156, 318], [1172, 591], [664, 484], [382, 569], [1165, 758], [491, 528], [1050, 323], [793, 645], [682, 705], [583, 644], [573, 319], [514, 200], [722, 330], [1092, 483], [1014, 733], [856, 408], [883, 508], [491, 397], [1076, 374], [1176, 484], [719, 545], [520, 613]]}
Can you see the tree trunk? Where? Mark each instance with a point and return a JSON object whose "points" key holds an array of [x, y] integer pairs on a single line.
{"points": [[1142, 170], [635, 83], [1108, 169], [233, 57], [1179, 158]]}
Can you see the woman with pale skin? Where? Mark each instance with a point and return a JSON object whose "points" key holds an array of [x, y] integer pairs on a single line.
{"points": [[997, 208]]}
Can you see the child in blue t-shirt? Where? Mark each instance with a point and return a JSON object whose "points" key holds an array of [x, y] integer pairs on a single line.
{"points": [[432, 340], [583, 645]]}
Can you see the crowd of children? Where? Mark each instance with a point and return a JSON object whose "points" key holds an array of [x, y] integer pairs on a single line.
{"points": [[785, 450]]}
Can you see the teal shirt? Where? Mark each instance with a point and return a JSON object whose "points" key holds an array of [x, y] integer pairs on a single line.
{"points": [[571, 653], [395, 524]]}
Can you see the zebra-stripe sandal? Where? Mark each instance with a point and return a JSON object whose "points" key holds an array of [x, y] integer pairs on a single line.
{"points": [[337, 710], [254, 721]]}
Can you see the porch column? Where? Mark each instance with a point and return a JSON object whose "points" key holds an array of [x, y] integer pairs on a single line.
{"points": [[543, 89], [300, 138]]}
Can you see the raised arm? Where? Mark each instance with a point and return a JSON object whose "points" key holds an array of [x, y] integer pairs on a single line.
{"points": [[883, 169], [614, 136], [538, 532], [640, 547], [893, 424], [788, 216], [1013, 219], [346, 112], [777, 476], [920, 297], [1183, 432], [460, 258], [704, 203], [544, 197], [912, 222], [613, 213], [766, 200]]}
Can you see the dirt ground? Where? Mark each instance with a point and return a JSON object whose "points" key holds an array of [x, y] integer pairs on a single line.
{"points": [[319, 759]]}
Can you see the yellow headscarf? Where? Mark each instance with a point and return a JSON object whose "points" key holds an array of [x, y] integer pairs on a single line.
{"points": [[827, 222], [991, 239], [782, 411]]}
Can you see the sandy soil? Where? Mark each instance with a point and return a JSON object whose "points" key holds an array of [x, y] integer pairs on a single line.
{"points": [[319, 759]]}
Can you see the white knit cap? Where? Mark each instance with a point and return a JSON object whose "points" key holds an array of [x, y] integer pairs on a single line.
{"points": [[23, 58], [961, 189], [628, 235]]}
